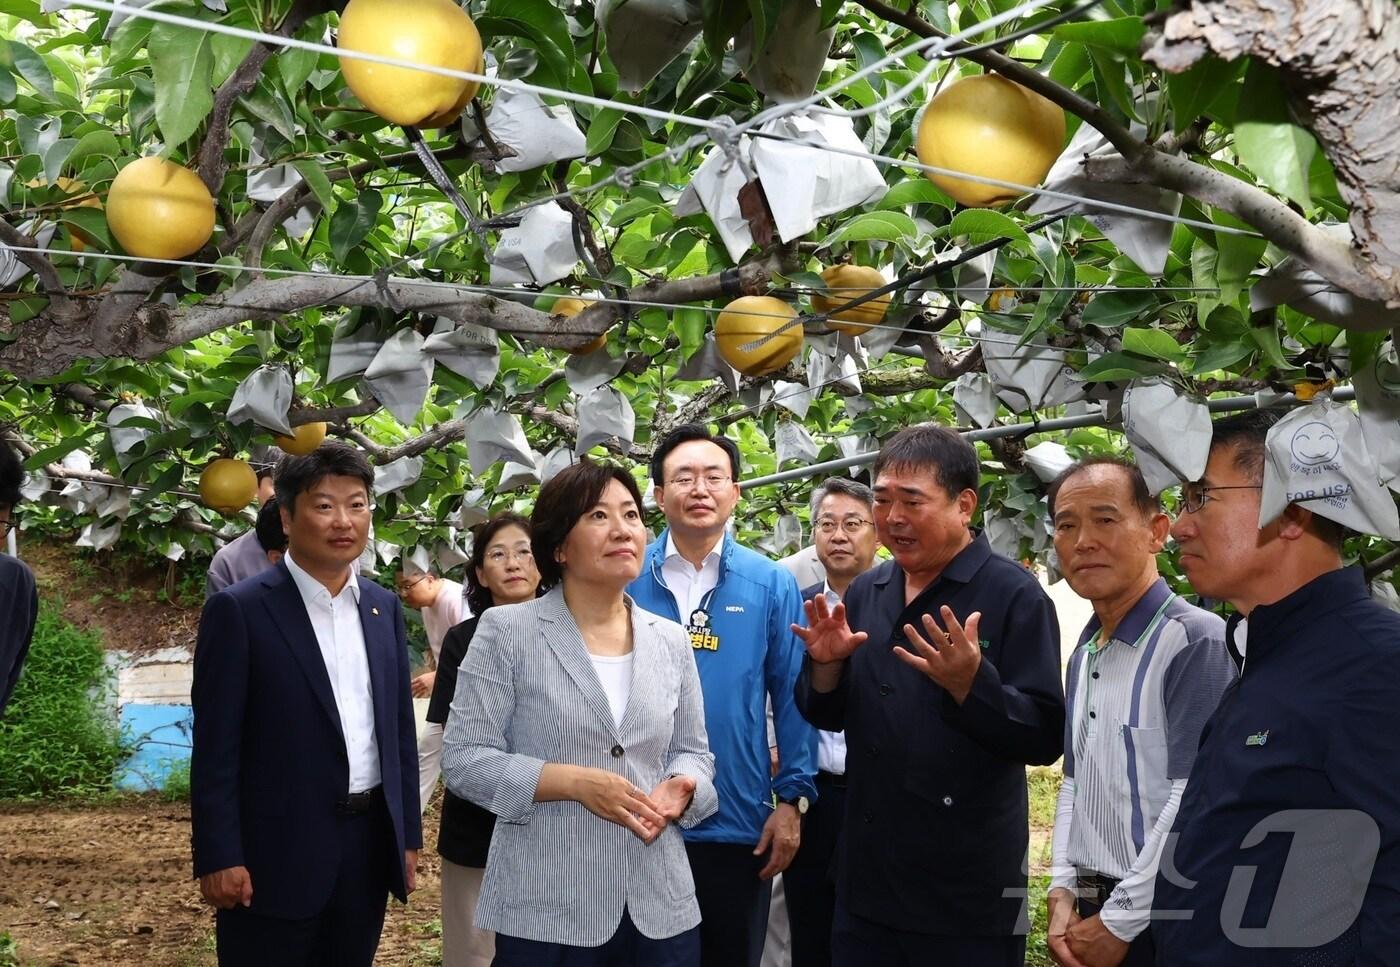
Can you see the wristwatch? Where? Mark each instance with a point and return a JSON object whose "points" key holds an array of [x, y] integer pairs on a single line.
{"points": [[801, 804]]}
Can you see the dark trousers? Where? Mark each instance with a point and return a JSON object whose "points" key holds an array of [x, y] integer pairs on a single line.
{"points": [[857, 942], [733, 903], [809, 883], [627, 948], [1142, 952], [346, 932]]}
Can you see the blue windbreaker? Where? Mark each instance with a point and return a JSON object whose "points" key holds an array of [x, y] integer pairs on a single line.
{"points": [[749, 654]]}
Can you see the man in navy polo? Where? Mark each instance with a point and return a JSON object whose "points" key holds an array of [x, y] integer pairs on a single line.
{"points": [[1287, 845], [946, 680]]}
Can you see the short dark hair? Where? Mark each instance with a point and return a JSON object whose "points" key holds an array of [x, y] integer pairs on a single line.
{"points": [[269, 527], [297, 475], [684, 434], [478, 595], [841, 485], [11, 475], [1137, 483], [569, 495], [928, 446], [1248, 435]]}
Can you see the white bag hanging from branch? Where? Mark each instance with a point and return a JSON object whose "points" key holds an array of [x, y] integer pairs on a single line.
{"points": [[974, 278], [795, 443], [791, 61], [643, 36], [538, 251], [471, 351], [494, 437], [975, 396], [515, 475], [449, 556], [99, 537], [587, 372], [1316, 457], [35, 485], [1066, 388], [416, 560], [116, 503], [1378, 399], [475, 508], [603, 415], [397, 475], [793, 397], [12, 269], [1048, 459], [1023, 374], [853, 445], [714, 188], [804, 184], [352, 350], [560, 458], [1169, 433], [537, 133], [1003, 534], [706, 363], [174, 551], [1144, 240], [126, 437], [786, 537], [756, 397], [1294, 284], [264, 397], [268, 183], [879, 340], [401, 375]]}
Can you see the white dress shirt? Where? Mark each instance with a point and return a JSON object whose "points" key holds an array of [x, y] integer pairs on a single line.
{"points": [[687, 583], [831, 746], [336, 621]]}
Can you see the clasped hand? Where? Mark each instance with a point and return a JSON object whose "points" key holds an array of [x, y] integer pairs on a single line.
{"points": [[610, 796]]}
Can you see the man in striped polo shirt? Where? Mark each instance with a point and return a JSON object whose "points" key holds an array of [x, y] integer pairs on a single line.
{"points": [[1148, 672]]}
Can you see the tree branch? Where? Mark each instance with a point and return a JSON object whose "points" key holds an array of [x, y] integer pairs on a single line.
{"points": [[43, 269]]}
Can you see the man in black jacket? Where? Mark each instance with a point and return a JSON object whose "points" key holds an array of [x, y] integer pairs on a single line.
{"points": [[942, 666], [19, 601]]}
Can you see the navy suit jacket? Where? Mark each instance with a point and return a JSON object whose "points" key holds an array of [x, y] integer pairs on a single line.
{"points": [[269, 756]]}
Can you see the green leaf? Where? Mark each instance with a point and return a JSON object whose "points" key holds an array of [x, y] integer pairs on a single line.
{"points": [[182, 65], [295, 65], [265, 103], [130, 37], [1113, 309], [1120, 367], [690, 325], [91, 222], [101, 143], [352, 221], [1267, 140], [56, 157], [542, 23], [8, 88], [876, 226], [983, 224], [722, 19], [764, 14], [317, 181], [170, 478], [1121, 35], [1111, 82], [1154, 343], [29, 65], [1267, 339], [1220, 355], [915, 191], [229, 52], [601, 131], [1192, 92], [1239, 256]]}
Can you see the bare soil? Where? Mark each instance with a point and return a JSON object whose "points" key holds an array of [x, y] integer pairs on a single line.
{"points": [[111, 885]]}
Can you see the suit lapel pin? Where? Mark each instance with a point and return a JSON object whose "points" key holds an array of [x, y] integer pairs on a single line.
{"points": [[1257, 739], [373, 610]]}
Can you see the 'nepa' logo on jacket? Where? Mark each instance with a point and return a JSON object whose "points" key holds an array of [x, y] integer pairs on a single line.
{"points": [[734, 608]]}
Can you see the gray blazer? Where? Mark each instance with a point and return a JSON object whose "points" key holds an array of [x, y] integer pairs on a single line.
{"points": [[527, 694]]}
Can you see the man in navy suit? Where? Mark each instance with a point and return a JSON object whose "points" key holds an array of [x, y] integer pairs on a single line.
{"points": [[304, 782]]}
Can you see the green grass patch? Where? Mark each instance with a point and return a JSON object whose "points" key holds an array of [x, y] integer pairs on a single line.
{"points": [[57, 740]]}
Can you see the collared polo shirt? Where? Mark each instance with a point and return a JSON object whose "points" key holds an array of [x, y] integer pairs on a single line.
{"points": [[1137, 703], [1287, 843], [935, 833]]}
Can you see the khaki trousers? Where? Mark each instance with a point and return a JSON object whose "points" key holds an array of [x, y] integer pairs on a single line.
{"points": [[463, 944]]}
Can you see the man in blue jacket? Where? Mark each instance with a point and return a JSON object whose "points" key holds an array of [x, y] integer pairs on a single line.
{"points": [[738, 607]]}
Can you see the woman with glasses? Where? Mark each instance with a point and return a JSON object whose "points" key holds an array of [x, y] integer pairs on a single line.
{"points": [[501, 571], [578, 722]]}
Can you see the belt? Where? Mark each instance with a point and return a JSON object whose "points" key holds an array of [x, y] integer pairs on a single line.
{"points": [[1095, 887], [359, 803], [837, 779]]}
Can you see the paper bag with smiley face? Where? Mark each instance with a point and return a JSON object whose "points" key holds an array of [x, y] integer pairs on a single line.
{"points": [[1316, 457]]}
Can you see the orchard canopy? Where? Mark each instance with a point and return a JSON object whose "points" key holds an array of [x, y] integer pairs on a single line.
{"points": [[216, 229]]}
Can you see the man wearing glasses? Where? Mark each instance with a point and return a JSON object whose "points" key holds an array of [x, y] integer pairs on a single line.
{"points": [[441, 603], [738, 608], [1287, 844], [946, 679], [843, 529], [19, 601], [1148, 671]]}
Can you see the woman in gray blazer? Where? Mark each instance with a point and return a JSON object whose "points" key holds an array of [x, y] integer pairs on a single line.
{"points": [[578, 721]]}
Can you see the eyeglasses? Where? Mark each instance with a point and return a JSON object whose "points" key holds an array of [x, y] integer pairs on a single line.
{"points": [[499, 555], [713, 481], [1194, 495], [826, 526], [406, 586]]}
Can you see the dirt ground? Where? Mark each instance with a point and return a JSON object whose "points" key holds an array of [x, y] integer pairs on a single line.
{"points": [[110, 885]]}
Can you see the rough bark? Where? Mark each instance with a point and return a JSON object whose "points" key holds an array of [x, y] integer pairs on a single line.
{"points": [[1340, 63]]}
